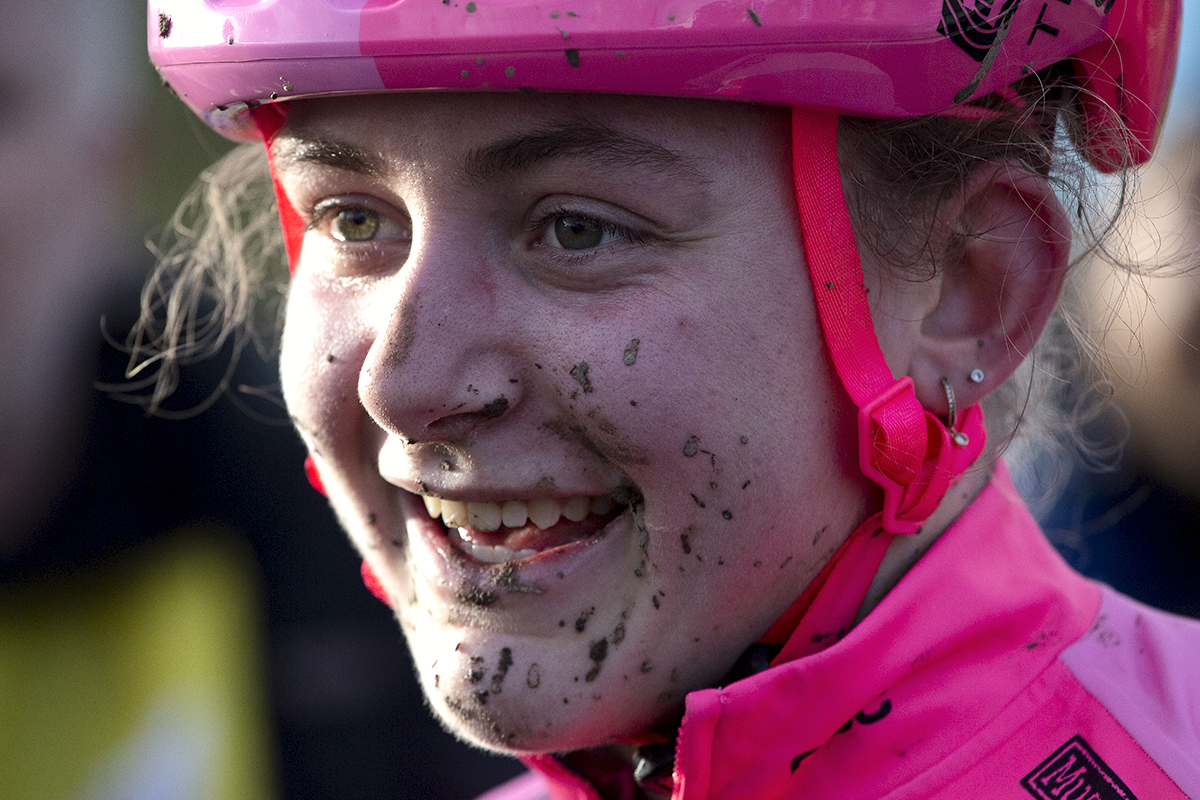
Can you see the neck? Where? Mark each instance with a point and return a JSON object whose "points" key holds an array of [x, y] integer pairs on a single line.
{"points": [[905, 551]]}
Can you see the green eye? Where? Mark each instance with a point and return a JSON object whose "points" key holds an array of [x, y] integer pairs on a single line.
{"points": [[355, 225], [578, 233]]}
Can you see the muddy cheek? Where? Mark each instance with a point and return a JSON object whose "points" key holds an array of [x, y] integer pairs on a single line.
{"points": [[594, 391]]}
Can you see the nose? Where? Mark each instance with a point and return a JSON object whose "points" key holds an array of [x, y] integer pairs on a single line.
{"points": [[441, 363]]}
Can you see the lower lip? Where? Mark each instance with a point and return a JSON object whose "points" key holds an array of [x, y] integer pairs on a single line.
{"points": [[451, 571]]}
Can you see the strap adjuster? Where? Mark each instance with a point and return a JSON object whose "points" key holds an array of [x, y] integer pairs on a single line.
{"points": [[892, 414]]}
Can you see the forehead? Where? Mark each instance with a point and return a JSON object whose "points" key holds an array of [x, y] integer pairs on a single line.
{"points": [[490, 134]]}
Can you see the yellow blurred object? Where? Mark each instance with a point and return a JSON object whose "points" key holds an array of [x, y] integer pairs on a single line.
{"points": [[142, 678]]}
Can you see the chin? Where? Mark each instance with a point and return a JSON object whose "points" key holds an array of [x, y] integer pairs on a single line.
{"points": [[517, 728], [508, 700]]}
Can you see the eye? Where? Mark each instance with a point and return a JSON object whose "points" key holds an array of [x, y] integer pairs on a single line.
{"points": [[572, 232], [354, 225], [349, 222], [566, 230]]}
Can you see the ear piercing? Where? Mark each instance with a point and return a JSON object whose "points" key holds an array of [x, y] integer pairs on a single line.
{"points": [[958, 437], [977, 375]]}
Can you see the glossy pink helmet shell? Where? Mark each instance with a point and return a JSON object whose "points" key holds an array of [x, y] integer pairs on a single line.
{"points": [[892, 59]]}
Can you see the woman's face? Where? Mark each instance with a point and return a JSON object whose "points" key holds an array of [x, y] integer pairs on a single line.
{"points": [[586, 309]]}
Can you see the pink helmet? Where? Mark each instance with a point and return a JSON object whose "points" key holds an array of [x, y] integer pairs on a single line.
{"points": [[879, 59], [865, 59]]}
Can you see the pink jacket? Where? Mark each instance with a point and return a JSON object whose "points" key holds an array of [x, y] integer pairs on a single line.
{"points": [[992, 670]]}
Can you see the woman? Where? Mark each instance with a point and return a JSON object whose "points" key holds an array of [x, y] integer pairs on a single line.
{"points": [[651, 509]]}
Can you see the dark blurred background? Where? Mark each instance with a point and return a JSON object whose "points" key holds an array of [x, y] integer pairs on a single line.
{"points": [[180, 616]]}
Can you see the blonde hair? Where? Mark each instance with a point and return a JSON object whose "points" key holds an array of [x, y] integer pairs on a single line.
{"points": [[220, 279]]}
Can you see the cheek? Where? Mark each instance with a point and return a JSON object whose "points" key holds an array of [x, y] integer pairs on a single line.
{"points": [[708, 396], [324, 343]]}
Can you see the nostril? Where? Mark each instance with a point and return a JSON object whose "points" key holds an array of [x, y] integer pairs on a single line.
{"points": [[457, 424]]}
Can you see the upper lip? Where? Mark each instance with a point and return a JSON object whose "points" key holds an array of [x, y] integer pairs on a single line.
{"points": [[466, 483]]}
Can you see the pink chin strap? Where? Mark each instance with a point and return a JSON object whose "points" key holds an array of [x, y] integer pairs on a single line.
{"points": [[902, 447]]}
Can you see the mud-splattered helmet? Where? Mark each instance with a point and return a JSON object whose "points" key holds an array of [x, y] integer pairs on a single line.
{"points": [[895, 59]]}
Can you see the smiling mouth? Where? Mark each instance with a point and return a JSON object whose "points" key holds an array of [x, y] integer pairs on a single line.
{"points": [[492, 533]]}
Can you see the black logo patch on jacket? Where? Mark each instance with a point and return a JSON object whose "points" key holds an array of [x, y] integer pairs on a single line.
{"points": [[1074, 770], [974, 25]]}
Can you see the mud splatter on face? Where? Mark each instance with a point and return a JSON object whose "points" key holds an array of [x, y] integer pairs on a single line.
{"points": [[596, 653], [398, 354], [506, 577], [631, 352], [533, 676], [506, 661], [689, 449], [582, 621], [495, 408], [639, 513], [477, 596], [580, 373]]}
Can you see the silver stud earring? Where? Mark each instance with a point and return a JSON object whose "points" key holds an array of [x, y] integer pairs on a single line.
{"points": [[958, 437], [977, 375]]}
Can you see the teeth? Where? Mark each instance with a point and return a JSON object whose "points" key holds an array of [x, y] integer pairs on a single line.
{"points": [[434, 506], [543, 512], [576, 508], [513, 515], [454, 514], [483, 516], [487, 554]]}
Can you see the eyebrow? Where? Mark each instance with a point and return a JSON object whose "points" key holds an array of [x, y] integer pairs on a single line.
{"points": [[594, 142], [291, 151]]}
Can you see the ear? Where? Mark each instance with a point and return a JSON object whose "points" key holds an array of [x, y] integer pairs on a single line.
{"points": [[1004, 243]]}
